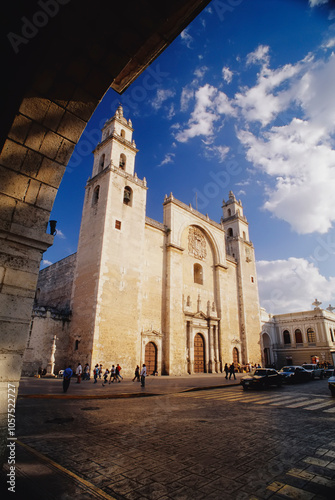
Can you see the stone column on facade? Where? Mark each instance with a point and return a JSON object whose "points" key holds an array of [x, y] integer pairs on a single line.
{"points": [[211, 363], [216, 349], [188, 341], [51, 363]]}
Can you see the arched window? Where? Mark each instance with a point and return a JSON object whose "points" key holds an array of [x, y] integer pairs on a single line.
{"points": [[298, 336], [123, 161], [230, 232], [331, 334], [123, 134], [198, 274], [229, 212], [311, 337], [128, 196], [95, 197], [244, 235], [102, 163], [287, 337], [76, 345]]}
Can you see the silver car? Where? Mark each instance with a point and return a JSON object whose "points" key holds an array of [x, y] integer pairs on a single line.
{"points": [[314, 370]]}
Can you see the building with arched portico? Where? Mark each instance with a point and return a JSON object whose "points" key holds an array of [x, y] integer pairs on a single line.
{"points": [[298, 337], [180, 296]]}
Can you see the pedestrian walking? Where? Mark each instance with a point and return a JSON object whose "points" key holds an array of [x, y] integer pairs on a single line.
{"points": [[232, 371], [143, 375], [86, 374], [105, 377], [118, 372], [226, 370], [79, 371], [137, 374], [96, 373], [112, 375], [67, 374], [100, 371]]}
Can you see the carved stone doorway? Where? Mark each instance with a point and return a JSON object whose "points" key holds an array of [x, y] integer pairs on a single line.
{"points": [[151, 358], [199, 354]]}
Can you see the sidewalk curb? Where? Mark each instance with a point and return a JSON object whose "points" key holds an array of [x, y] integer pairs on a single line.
{"points": [[128, 395]]}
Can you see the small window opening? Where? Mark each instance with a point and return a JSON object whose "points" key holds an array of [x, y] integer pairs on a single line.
{"points": [[252, 279], [117, 224], [230, 232], [127, 196], [123, 133], [95, 197], [102, 163], [122, 163], [229, 212], [198, 274], [244, 235], [76, 345], [331, 334], [287, 337]]}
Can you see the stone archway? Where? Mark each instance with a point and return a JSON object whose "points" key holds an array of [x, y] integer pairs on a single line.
{"points": [[59, 61], [266, 349]]}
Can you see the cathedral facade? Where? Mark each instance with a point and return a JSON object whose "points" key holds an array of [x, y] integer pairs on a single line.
{"points": [[180, 296]]}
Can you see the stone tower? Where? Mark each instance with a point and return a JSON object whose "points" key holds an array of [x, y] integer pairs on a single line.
{"points": [[106, 299], [240, 247]]}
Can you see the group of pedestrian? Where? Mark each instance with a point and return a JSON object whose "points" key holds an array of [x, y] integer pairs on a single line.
{"points": [[229, 370], [114, 374]]}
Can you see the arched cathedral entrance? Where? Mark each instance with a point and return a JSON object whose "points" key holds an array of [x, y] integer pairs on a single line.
{"points": [[151, 358], [199, 354]]}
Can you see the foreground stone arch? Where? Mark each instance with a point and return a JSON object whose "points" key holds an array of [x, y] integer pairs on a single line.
{"points": [[61, 56]]}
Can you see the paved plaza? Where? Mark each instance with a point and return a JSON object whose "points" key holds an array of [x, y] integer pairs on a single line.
{"points": [[189, 438]]}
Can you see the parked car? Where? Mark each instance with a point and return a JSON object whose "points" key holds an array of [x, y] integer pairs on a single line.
{"points": [[292, 374], [328, 372], [331, 383], [314, 370], [262, 378]]}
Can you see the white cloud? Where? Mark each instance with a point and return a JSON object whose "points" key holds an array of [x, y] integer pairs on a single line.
{"points": [[46, 262], [299, 154], [186, 95], [200, 72], [227, 74], [171, 112], [314, 3], [260, 55], [169, 158], [60, 234], [329, 44], [186, 38], [219, 152], [161, 96], [210, 104], [292, 285]]}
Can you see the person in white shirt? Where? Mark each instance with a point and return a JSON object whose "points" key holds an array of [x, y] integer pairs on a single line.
{"points": [[79, 371], [143, 375]]}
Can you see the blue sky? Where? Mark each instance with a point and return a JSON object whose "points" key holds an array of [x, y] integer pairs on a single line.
{"points": [[242, 100]]}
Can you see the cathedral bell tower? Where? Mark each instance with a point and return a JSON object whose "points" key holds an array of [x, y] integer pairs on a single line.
{"points": [[109, 258], [241, 249]]}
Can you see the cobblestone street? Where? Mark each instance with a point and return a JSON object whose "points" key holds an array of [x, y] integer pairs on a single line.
{"points": [[221, 443]]}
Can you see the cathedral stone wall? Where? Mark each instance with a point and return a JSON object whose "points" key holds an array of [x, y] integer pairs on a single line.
{"points": [[46, 324], [55, 282]]}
